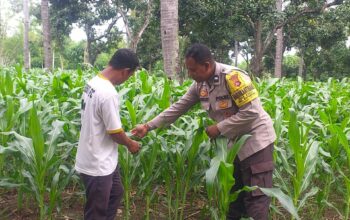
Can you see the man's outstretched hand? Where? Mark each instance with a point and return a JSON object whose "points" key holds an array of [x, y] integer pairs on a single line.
{"points": [[212, 131], [133, 147], [140, 130]]}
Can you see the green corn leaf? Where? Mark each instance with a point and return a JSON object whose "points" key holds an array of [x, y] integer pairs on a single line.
{"points": [[9, 113], [9, 84], [236, 148], [285, 200], [307, 195], [210, 174], [36, 134], [131, 111], [293, 130], [225, 176], [164, 102], [145, 85], [32, 184], [342, 138], [235, 194], [7, 183], [196, 141], [8, 149], [57, 129], [19, 69], [24, 145]]}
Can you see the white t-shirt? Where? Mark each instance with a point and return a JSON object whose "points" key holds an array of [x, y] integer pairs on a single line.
{"points": [[97, 153]]}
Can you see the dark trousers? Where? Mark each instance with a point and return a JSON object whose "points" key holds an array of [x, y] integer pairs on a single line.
{"points": [[255, 170], [103, 195]]}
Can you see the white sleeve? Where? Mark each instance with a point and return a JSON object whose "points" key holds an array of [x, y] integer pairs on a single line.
{"points": [[110, 115]]}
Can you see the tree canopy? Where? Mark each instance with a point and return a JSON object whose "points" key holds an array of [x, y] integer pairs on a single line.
{"points": [[317, 30]]}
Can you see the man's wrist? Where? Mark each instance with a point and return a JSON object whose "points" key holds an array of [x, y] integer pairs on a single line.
{"points": [[129, 144], [149, 127]]}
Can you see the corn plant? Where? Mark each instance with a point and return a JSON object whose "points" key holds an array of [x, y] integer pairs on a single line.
{"points": [[42, 166], [181, 154], [143, 104], [219, 177], [150, 171], [341, 132], [310, 118], [190, 159], [304, 154], [128, 171]]}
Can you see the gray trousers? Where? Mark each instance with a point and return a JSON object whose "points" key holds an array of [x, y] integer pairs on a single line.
{"points": [[255, 170], [103, 195]]}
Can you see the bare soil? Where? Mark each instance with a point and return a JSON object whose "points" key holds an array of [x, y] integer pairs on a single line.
{"points": [[73, 201]]}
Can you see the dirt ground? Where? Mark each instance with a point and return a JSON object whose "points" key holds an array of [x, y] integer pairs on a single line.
{"points": [[72, 209]]}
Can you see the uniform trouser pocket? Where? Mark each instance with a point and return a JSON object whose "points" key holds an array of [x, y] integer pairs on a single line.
{"points": [[261, 175]]}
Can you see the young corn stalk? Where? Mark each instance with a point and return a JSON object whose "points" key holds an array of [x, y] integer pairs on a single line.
{"points": [[183, 160], [128, 167], [42, 164], [7, 116], [137, 111], [150, 171], [342, 135], [331, 155], [219, 177], [305, 155], [192, 158]]}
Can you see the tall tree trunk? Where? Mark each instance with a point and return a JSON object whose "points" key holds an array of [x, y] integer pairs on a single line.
{"points": [[236, 52], [301, 71], [256, 64], [53, 59], [26, 34], [0, 21], [134, 37], [61, 61], [88, 49], [1, 36], [169, 26], [279, 45], [46, 33]]}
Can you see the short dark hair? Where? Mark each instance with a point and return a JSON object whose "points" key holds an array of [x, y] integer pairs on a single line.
{"points": [[200, 53], [124, 58]]}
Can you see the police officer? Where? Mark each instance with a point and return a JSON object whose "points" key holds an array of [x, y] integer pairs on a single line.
{"points": [[230, 99]]}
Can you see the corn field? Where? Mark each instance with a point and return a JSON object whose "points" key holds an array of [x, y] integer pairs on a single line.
{"points": [[177, 167]]}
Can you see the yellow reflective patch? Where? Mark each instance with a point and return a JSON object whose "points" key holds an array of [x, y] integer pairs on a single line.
{"points": [[241, 88], [115, 131]]}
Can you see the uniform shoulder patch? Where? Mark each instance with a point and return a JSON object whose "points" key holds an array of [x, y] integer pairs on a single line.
{"points": [[241, 87]]}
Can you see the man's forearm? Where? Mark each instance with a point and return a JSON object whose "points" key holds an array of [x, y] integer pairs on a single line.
{"points": [[121, 138]]}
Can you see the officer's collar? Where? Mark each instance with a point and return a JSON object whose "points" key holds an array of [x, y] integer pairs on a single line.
{"points": [[215, 78]]}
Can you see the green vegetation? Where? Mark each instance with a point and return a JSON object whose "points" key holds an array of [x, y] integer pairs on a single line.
{"points": [[39, 129]]}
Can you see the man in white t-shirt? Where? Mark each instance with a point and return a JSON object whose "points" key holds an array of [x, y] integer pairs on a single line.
{"points": [[101, 132]]}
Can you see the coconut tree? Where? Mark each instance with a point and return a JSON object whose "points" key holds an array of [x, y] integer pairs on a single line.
{"points": [[26, 34], [169, 27], [46, 34]]}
